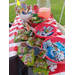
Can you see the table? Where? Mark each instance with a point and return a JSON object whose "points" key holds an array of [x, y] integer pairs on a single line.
{"points": [[55, 69]]}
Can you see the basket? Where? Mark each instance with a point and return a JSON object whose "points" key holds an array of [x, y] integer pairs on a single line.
{"points": [[54, 39], [35, 24], [40, 28]]}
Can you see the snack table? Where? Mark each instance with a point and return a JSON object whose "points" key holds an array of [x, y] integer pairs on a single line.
{"points": [[55, 69]]}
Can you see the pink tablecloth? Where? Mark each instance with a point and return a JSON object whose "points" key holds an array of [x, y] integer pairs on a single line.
{"points": [[55, 69]]}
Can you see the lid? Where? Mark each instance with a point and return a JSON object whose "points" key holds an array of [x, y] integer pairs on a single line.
{"points": [[43, 3]]}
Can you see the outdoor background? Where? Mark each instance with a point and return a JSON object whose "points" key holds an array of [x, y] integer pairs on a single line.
{"points": [[56, 9]]}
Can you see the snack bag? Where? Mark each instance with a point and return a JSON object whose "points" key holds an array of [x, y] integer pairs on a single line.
{"points": [[37, 50], [21, 31], [39, 71], [20, 37], [31, 51], [28, 28], [31, 41], [28, 59], [22, 50], [38, 42], [40, 63], [42, 54]]}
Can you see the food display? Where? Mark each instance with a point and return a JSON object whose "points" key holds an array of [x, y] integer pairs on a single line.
{"points": [[31, 39]]}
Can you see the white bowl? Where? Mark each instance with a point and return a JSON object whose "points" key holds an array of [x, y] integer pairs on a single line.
{"points": [[23, 17]]}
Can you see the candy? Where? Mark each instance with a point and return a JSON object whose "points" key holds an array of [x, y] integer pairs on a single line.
{"points": [[38, 42], [29, 12], [36, 19], [21, 31], [22, 50], [54, 51], [31, 41], [40, 63], [49, 43], [36, 9], [24, 9], [24, 13], [50, 29], [39, 71], [38, 32], [44, 28], [48, 34], [44, 45], [31, 51], [46, 31], [24, 5], [37, 51], [20, 37], [28, 59]]}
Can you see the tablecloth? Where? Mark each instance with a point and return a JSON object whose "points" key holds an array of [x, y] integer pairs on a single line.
{"points": [[55, 69]]}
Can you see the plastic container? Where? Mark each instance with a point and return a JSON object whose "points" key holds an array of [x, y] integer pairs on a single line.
{"points": [[40, 28], [54, 39], [44, 8], [35, 24], [23, 17]]}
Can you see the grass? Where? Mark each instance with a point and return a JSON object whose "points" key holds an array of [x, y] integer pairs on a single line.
{"points": [[11, 1], [56, 8], [12, 13]]}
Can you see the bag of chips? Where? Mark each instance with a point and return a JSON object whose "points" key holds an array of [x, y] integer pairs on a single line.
{"points": [[20, 37], [39, 71], [28, 59], [22, 50], [40, 63], [31, 51], [31, 41], [21, 31], [38, 42]]}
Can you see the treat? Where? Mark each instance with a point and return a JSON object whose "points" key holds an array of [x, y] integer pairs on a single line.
{"points": [[38, 42], [39, 71], [55, 51], [31, 41], [28, 29], [23, 6], [37, 51], [28, 59], [24, 9], [21, 31], [35, 19], [20, 37], [40, 63], [31, 51], [41, 55], [22, 50], [47, 31]]}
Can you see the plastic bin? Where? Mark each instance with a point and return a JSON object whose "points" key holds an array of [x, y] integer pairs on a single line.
{"points": [[54, 39], [35, 24], [40, 28]]}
